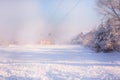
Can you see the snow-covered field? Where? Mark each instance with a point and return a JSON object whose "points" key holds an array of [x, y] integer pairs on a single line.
{"points": [[57, 63]]}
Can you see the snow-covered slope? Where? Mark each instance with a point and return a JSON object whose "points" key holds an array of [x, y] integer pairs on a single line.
{"points": [[57, 63]]}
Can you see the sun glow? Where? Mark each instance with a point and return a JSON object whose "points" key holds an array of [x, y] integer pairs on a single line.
{"points": [[45, 42]]}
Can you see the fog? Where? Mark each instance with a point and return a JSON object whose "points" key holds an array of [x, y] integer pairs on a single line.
{"points": [[30, 21]]}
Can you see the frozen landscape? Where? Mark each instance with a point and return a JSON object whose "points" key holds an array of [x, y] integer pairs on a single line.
{"points": [[44, 39], [57, 63]]}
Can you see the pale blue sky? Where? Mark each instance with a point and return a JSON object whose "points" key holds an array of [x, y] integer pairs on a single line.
{"points": [[34, 19], [83, 15], [82, 18]]}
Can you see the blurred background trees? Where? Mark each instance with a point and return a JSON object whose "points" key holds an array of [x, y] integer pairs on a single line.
{"points": [[107, 36]]}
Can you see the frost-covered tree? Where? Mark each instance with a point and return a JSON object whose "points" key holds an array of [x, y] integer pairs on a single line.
{"points": [[109, 8], [107, 37], [84, 39], [77, 39]]}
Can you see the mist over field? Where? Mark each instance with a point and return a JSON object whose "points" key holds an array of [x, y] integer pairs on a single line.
{"points": [[32, 21], [59, 39]]}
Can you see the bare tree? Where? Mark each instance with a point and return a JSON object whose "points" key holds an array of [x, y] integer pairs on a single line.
{"points": [[109, 8], [107, 36]]}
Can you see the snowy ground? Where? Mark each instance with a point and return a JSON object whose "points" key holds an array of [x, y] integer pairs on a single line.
{"points": [[57, 63]]}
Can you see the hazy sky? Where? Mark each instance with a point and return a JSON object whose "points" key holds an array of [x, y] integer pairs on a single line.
{"points": [[33, 20]]}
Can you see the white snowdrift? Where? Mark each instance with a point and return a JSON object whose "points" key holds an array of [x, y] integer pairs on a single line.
{"points": [[57, 63]]}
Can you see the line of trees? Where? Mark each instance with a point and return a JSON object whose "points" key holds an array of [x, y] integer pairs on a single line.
{"points": [[107, 36]]}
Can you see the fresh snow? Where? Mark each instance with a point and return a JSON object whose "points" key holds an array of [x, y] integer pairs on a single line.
{"points": [[57, 63]]}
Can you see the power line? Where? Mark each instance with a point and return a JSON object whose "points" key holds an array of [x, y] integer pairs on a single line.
{"points": [[76, 4], [54, 14], [56, 9]]}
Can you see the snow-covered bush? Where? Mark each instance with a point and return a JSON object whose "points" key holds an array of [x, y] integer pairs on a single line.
{"points": [[78, 39], [107, 38], [84, 39]]}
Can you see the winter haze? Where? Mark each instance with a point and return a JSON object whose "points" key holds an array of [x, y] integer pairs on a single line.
{"points": [[29, 21], [59, 40]]}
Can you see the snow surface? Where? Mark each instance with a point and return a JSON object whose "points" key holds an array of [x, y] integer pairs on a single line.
{"points": [[57, 63]]}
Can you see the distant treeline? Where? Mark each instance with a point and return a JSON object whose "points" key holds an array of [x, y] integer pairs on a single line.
{"points": [[106, 37]]}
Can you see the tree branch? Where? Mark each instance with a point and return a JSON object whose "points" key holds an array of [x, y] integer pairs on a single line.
{"points": [[114, 11]]}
